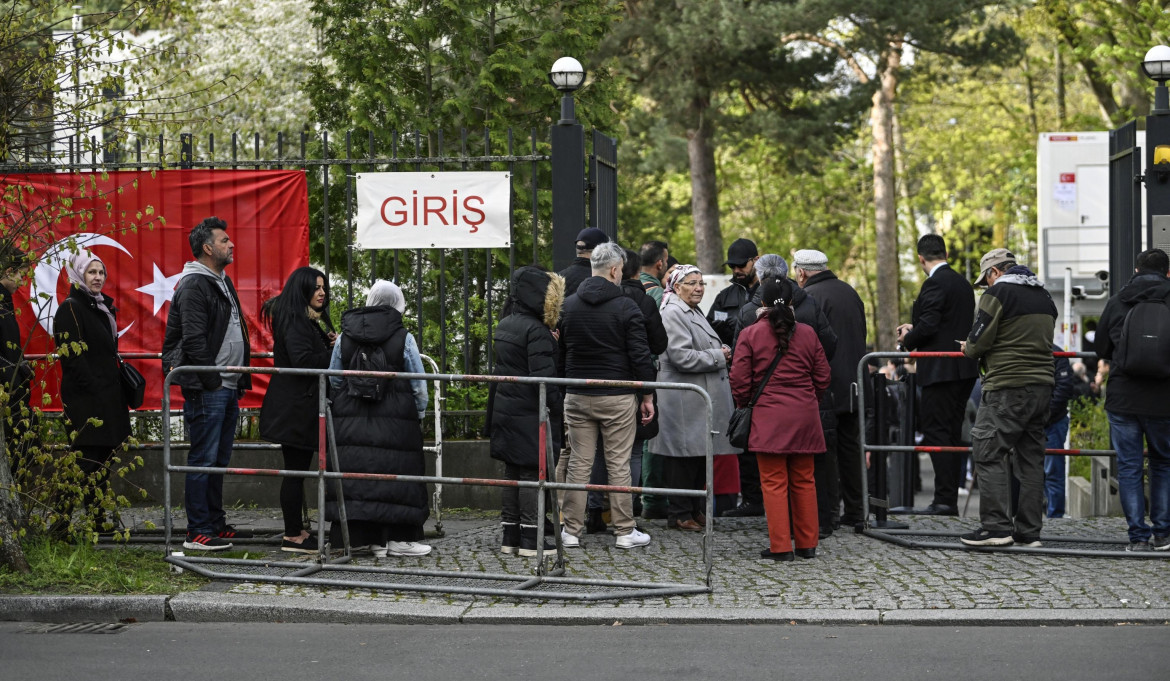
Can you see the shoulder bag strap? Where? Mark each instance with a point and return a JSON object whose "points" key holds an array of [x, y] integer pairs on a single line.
{"points": [[768, 373]]}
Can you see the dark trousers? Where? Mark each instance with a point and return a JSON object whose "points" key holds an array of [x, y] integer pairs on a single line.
{"points": [[1011, 421], [685, 472], [749, 479], [292, 490], [849, 465], [653, 476], [940, 420], [518, 504], [827, 479]]}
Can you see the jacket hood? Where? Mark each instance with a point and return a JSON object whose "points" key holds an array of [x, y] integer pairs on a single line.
{"points": [[371, 325], [1145, 286], [597, 290], [196, 267], [539, 294]]}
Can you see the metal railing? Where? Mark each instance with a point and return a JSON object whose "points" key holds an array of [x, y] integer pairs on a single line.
{"points": [[525, 586]]}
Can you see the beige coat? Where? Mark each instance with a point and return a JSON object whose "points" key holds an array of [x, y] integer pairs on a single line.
{"points": [[694, 354]]}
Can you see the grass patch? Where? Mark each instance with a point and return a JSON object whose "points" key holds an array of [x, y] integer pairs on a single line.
{"points": [[64, 568]]}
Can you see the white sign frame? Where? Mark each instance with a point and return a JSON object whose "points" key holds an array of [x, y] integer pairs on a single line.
{"points": [[458, 209]]}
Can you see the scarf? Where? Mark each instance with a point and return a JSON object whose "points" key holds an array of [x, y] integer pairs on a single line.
{"points": [[78, 263], [675, 279]]}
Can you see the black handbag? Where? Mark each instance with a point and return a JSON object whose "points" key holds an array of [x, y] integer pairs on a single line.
{"points": [[739, 426], [133, 385]]}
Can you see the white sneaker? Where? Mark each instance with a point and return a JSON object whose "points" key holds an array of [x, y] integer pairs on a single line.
{"points": [[407, 548], [569, 541], [633, 540], [376, 549]]}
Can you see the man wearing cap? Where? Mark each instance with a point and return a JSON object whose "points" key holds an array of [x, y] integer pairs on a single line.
{"points": [[741, 258], [840, 467], [941, 318], [579, 270], [1012, 339]]}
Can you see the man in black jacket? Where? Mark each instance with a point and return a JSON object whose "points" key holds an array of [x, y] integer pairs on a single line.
{"points": [[741, 258], [942, 317], [841, 463], [579, 270], [1138, 408], [206, 327], [603, 336]]}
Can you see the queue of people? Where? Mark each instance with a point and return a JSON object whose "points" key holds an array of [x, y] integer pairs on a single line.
{"points": [[785, 340]]}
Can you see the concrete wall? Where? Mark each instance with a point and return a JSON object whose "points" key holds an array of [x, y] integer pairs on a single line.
{"points": [[461, 459]]}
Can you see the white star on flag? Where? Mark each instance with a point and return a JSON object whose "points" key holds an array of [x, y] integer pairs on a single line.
{"points": [[162, 289]]}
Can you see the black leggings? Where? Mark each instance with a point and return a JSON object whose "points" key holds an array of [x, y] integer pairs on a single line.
{"points": [[292, 490]]}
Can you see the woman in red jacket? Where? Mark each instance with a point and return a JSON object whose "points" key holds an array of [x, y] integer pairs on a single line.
{"points": [[786, 424]]}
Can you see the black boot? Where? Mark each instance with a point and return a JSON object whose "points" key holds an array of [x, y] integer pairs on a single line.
{"points": [[594, 522], [528, 542], [511, 540]]}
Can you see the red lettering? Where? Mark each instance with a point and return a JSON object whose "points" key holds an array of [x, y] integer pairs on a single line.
{"points": [[437, 212], [401, 214], [474, 224]]}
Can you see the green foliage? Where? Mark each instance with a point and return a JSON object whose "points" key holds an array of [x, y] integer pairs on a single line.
{"points": [[1088, 429], [60, 567]]}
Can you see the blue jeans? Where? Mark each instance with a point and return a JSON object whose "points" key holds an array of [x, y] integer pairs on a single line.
{"points": [[1127, 432], [211, 424], [1054, 469]]}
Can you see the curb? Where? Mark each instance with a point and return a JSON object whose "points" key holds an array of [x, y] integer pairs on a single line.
{"points": [[61, 609], [198, 606]]}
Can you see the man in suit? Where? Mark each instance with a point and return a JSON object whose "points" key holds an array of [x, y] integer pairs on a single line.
{"points": [[942, 317]]}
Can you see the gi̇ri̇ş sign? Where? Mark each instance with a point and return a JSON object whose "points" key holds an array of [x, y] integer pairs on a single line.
{"points": [[464, 209]]}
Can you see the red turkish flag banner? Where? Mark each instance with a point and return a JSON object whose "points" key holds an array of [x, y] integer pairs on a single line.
{"points": [[137, 222]]}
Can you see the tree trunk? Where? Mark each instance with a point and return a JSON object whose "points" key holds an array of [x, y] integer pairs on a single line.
{"points": [[705, 199], [11, 554], [884, 199]]}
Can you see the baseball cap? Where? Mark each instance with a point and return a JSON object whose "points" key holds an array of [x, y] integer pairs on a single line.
{"points": [[741, 251], [993, 258], [590, 238]]}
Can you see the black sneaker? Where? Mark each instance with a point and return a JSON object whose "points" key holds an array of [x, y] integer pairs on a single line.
{"points": [[654, 513], [982, 537], [229, 532], [307, 545], [1139, 547], [202, 542], [1029, 542], [1160, 543], [745, 511]]}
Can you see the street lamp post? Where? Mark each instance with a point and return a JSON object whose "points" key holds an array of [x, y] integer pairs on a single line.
{"points": [[1156, 66], [569, 190]]}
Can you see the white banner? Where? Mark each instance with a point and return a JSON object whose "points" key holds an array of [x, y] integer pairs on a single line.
{"points": [[462, 209]]}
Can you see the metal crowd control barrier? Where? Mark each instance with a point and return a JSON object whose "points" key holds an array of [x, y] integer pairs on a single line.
{"points": [[524, 586], [1105, 547]]}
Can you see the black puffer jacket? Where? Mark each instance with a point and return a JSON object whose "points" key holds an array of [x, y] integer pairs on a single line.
{"points": [[603, 336], [196, 325], [655, 331], [524, 346], [91, 381], [807, 311], [578, 271], [289, 414], [378, 437]]}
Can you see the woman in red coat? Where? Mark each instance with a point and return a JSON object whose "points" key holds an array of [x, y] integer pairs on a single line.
{"points": [[786, 423]]}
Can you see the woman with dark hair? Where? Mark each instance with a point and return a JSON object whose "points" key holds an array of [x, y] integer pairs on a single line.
{"points": [[86, 335], [786, 423], [302, 338]]}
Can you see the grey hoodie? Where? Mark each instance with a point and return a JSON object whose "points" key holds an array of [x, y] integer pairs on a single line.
{"points": [[231, 353]]}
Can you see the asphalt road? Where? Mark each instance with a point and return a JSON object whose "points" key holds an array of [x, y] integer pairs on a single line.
{"points": [[719, 653]]}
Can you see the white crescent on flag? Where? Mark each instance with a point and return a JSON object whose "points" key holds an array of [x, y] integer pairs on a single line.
{"points": [[42, 292]]}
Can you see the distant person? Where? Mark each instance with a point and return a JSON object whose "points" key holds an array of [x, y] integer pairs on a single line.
{"points": [[1012, 339], [741, 258], [15, 371], [845, 312], [694, 354], [206, 327], [378, 426], [786, 430], [1089, 344], [1056, 431], [942, 318], [525, 344], [302, 338], [1138, 369], [85, 331], [654, 257], [579, 270]]}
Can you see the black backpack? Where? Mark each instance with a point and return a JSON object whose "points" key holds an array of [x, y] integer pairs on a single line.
{"points": [[367, 358], [1144, 348]]}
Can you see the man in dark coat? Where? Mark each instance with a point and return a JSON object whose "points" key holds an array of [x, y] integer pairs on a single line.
{"points": [[206, 327], [14, 370], [941, 319], [603, 336], [841, 464], [741, 258], [807, 311], [1056, 431], [1138, 409], [579, 270]]}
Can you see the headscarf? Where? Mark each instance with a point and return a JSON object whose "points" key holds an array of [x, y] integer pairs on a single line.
{"points": [[386, 293], [78, 263], [675, 279]]}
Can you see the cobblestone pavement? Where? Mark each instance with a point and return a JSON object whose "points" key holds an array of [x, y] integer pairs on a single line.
{"points": [[850, 572]]}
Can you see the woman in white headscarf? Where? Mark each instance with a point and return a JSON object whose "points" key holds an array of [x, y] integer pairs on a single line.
{"points": [[86, 334], [378, 428]]}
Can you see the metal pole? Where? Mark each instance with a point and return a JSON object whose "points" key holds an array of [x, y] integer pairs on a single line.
{"points": [[322, 440], [166, 444]]}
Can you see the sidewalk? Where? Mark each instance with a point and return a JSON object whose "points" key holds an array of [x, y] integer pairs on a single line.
{"points": [[853, 580]]}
